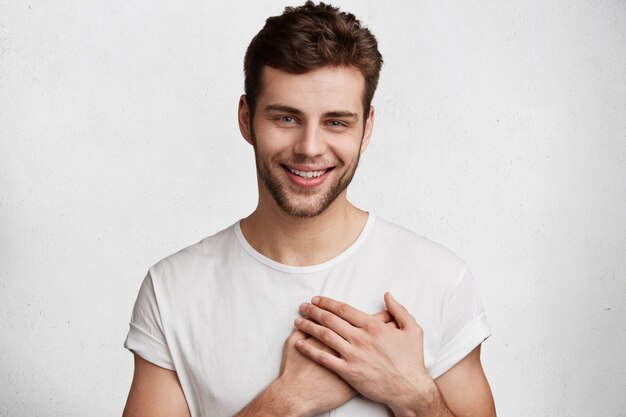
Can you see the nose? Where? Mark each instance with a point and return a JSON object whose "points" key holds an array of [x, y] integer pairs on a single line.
{"points": [[310, 142]]}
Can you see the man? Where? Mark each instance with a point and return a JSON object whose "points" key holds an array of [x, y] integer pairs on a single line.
{"points": [[213, 326]]}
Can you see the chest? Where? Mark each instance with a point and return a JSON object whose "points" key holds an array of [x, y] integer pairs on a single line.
{"points": [[229, 340]]}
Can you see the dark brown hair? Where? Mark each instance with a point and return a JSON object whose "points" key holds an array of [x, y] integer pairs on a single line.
{"points": [[309, 37]]}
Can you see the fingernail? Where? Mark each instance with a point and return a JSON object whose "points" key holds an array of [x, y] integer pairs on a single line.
{"points": [[315, 300], [297, 321], [299, 343], [302, 307]]}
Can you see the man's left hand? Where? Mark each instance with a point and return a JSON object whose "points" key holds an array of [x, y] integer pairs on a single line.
{"points": [[384, 363]]}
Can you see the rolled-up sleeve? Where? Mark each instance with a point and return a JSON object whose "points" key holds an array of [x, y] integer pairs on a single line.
{"points": [[145, 335], [464, 325]]}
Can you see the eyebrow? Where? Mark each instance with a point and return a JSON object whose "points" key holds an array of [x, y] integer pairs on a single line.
{"points": [[341, 113], [283, 108], [297, 112]]}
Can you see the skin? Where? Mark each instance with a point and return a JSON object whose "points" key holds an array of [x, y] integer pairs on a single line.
{"points": [[407, 390], [155, 392], [304, 388], [308, 136], [386, 364], [297, 129], [314, 121]]}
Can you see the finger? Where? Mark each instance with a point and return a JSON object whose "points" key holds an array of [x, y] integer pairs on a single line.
{"points": [[294, 337], [393, 324], [297, 335], [350, 314], [383, 316], [316, 343], [290, 343], [399, 313], [328, 320], [321, 357], [323, 334]]}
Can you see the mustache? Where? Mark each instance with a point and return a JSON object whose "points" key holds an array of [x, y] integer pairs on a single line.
{"points": [[305, 160]]}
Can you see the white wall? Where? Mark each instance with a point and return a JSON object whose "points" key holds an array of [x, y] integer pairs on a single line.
{"points": [[500, 132]]}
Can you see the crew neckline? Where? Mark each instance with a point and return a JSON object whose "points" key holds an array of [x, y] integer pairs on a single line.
{"points": [[292, 269]]}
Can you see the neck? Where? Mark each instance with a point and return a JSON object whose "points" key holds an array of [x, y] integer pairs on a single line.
{"points": [[301, 241]]}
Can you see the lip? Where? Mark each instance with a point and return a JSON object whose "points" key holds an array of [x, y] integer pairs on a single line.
{"points": [[309, 167], [307, 182]]}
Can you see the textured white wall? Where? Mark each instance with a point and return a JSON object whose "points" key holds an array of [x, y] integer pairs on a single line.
{"points": [[500, 132]]}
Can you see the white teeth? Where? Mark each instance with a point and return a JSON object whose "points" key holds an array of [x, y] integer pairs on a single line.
{"points": [[307, 174]]}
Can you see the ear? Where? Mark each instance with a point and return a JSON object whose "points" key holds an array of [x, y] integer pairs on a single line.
{"points": [[367, 131], [243, 114]]}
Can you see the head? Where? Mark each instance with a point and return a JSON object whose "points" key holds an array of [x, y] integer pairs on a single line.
{"points": [[309, 37], [310, 75]]}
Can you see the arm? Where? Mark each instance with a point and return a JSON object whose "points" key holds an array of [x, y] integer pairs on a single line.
{"points": [[304, 388], [465, 389], [155, 392], [386, 364]]}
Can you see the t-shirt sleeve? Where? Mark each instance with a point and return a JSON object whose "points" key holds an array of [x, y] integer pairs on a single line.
{"points": [[464, 325], [146, 336]]}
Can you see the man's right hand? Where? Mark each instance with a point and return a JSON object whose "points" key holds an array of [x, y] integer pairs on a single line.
{"points": [[303, 388], [313, 388]]}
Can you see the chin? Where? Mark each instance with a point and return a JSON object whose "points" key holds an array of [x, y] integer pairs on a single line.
{"points": [[305, 210]]}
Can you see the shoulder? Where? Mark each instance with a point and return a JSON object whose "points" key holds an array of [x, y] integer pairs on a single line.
{"points": [[201, 256], [404, 241], [404, 246]]}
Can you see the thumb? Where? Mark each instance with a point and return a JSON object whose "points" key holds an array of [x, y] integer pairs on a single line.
{"points": [[399, 313]]}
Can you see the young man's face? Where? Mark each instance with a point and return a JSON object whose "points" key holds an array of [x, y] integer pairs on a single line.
{"points": [[308, 133]]}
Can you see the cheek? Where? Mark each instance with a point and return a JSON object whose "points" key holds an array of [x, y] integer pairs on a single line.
{"points": [[348, 150], [270, 141]]}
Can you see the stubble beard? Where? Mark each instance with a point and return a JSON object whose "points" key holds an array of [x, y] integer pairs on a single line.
{"points": [[315, 205]]}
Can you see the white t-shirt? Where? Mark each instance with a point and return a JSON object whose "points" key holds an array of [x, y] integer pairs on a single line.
{"points": [[218, 312]]}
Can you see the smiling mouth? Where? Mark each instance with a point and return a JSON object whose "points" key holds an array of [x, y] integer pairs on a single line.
{"points": [[308, 174]]}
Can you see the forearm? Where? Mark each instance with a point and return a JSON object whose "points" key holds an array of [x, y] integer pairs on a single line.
{"points": [[426, 404], [271, 402]]}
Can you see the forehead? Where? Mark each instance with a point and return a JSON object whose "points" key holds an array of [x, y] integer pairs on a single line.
{"points": [[321, 89]]}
